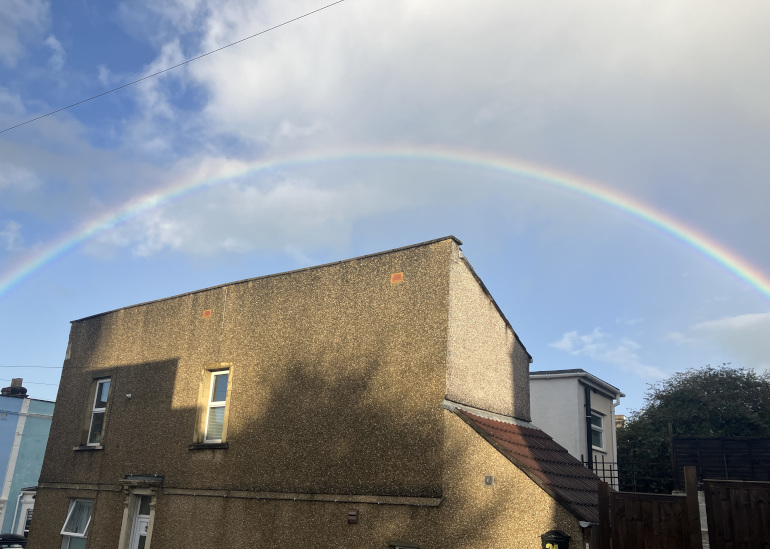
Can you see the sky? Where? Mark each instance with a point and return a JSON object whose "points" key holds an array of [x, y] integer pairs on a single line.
{"points": [[603, 162]]}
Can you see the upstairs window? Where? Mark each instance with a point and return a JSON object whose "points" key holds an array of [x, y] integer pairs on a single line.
{"points": [[98, 412], [213, 407], [597, 430], [217, 404], [76, 525]]}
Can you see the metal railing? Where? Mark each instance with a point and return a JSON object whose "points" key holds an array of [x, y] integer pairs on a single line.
{"points": [[629, 476]]}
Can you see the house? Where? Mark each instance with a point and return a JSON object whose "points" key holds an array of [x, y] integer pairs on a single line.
{"points": [[578, 410], [24, 426], [377, 402]]}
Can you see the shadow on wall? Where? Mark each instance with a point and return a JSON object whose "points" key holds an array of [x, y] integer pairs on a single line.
{"points": [[307, 428]]}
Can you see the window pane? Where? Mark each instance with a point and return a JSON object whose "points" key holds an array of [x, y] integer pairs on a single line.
{"points": [[78, 519], [219, 391], [142, 539], [77, 543], [596, 439], [95, 434], [216, 423], [102, 392], [596, 420], [144, 505]]}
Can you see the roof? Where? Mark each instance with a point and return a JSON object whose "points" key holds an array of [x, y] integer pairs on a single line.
{"points": [[580, 373], [544, 461]]}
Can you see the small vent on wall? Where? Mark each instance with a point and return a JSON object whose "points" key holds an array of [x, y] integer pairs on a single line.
{"points": [[206, 313], [396, 278], [489, 480]]}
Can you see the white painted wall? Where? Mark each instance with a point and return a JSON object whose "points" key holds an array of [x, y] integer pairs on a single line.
{"points": [[557, 406]]}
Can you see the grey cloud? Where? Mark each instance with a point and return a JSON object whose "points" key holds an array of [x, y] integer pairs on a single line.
{"points": [[744, 337]]}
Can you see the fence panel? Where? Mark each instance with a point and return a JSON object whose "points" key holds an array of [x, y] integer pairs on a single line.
{"points": [[631, 520], [738, 514]]}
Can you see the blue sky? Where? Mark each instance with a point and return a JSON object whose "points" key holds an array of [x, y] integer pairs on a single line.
{"points": [[665, 103]]}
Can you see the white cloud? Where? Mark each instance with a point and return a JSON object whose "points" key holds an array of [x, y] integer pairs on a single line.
{"points": [[284, 214], [58, 55], [10, 236], [20, 22], [745, 337], [603, 347]]}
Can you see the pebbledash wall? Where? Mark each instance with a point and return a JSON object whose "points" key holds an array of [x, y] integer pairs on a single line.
{"points": [[335, 430]]}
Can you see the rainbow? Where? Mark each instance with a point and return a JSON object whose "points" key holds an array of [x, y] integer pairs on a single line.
{"points": [[444, 155]]}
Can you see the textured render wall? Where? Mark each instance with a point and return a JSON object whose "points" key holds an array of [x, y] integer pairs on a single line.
{"points": [[487, 367], [514, 512], [52, 505], [337, 380], [557, 408], [511, 514]]}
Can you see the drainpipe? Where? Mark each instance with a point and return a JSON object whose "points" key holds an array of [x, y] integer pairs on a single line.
{"points": [[589, 446], [16, 514]]}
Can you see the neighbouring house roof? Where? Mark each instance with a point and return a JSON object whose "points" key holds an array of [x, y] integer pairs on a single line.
{"points": [[543, 460], [578, 373]]}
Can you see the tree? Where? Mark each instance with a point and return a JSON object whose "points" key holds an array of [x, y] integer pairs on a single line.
{"points": [[709, 402]]}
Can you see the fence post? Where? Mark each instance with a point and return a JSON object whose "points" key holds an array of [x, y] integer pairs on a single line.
{"points": [[674, 475], [693, 509], [604, 516]]}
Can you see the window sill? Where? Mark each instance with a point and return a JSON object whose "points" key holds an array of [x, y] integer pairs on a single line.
{"points": [[600, 450], [208, 446], [92, 448]]}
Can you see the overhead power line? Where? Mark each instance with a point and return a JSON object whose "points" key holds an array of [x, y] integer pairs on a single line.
{"points": [[172, 67], [33, 382], [52, 367]]}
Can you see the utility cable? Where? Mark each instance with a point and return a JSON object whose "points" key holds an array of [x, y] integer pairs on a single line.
{"points": [[52, 367], [34, 382], [172, 67]]}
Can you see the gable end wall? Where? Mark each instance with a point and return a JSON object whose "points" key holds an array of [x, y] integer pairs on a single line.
{"points": [[487, 365]]}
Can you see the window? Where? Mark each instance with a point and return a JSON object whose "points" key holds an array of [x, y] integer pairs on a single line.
{"points": [[27, 522], [597, 430], [98, 411], [213, 404], [215, 416], [75, 529]]}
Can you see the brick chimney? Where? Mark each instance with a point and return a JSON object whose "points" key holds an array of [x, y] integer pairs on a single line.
{"points": [[15, 390]]}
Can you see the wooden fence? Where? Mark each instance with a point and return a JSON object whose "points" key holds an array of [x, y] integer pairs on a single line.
{"points": [[725, 458], [648, 521], [738, 514]]}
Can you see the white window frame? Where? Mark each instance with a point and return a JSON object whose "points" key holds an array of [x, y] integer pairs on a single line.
{"points": [[27, 521], [100, 410], [67, 535], [215, 404], [598, 428]]}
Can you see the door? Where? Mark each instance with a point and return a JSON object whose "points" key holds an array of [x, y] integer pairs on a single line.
{"points": [[141, 524]]}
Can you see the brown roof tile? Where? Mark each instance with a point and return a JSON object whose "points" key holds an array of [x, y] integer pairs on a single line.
{"points": [[545, 461]]}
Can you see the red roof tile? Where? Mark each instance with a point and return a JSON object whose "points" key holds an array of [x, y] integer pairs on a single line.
{"points": [[545, 461]]}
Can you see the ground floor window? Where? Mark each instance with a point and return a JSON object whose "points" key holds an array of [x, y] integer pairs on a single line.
{"points": [[75, 529]]}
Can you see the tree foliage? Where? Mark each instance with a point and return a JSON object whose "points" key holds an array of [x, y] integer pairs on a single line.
{"points": [[709, 402]]}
